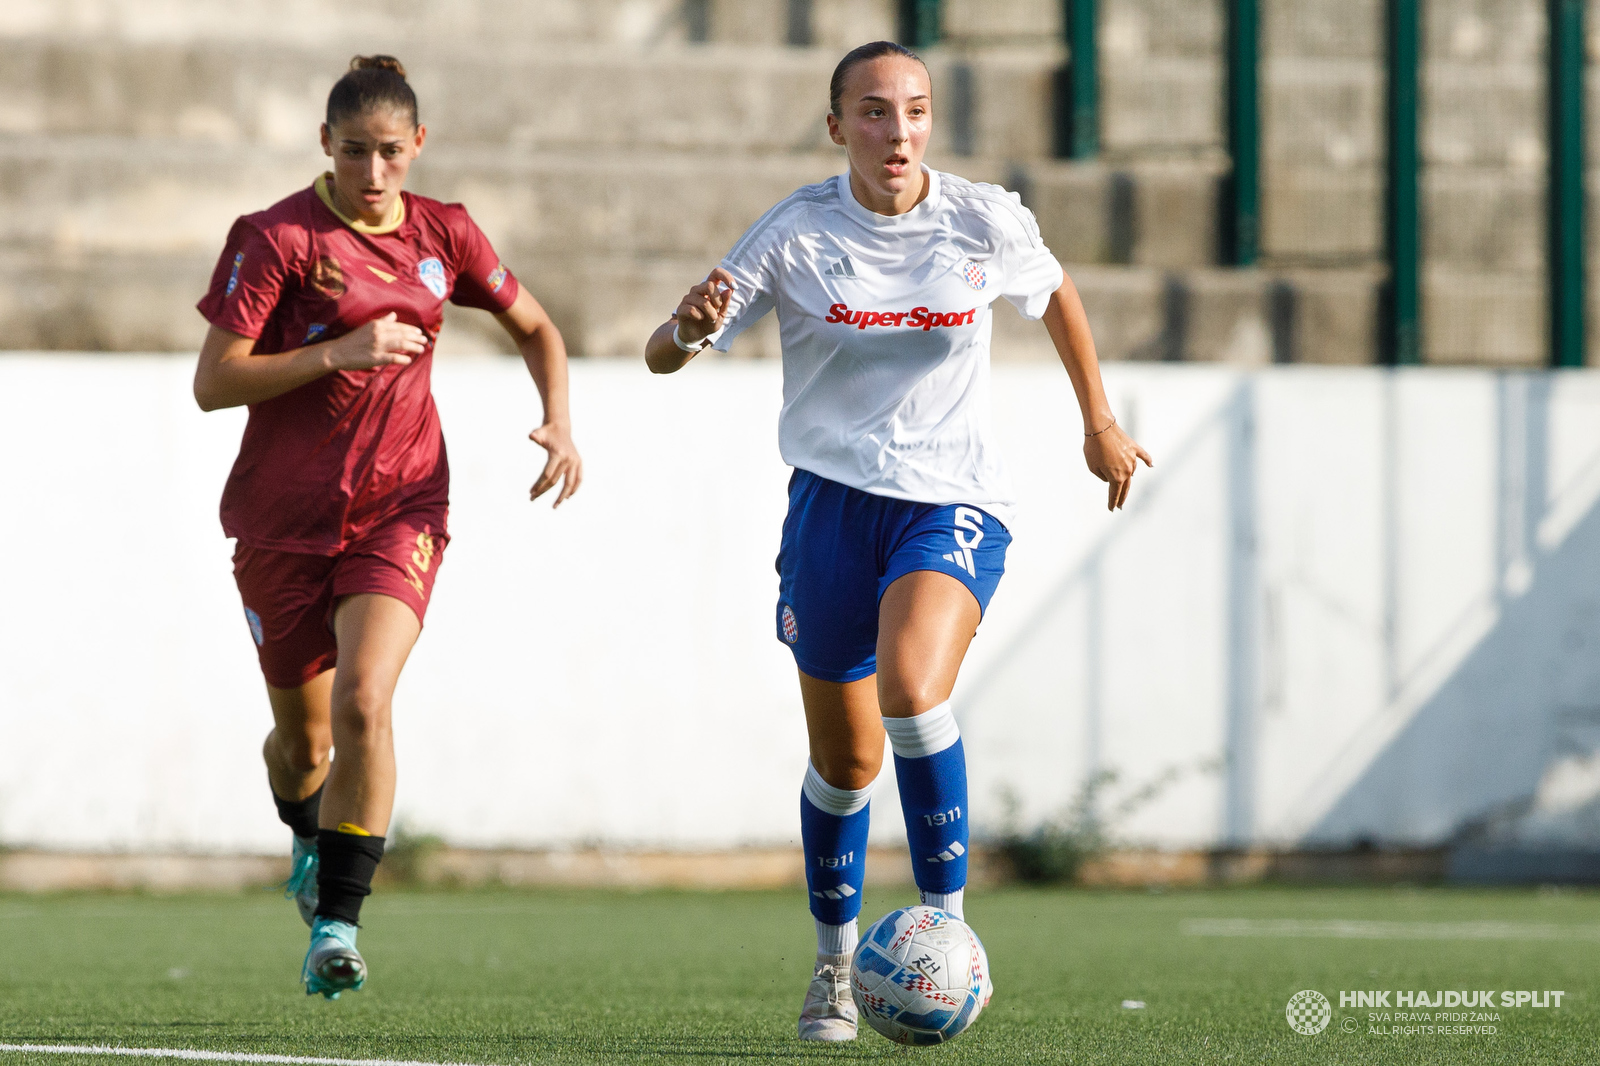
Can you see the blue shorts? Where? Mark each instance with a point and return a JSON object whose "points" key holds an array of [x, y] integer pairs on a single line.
{"points": [[843, 548]]}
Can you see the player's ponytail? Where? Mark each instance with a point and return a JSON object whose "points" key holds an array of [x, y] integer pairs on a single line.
{"points": [[862, 54], [372, 83]]}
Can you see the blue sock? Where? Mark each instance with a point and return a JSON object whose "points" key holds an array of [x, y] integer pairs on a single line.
{"points": [[833, 831], [931, 765]]}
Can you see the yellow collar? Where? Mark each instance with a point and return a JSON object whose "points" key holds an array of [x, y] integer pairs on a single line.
{"points": [[397, 213]]}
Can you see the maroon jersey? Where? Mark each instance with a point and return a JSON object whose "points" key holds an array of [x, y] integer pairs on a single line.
{"points": [[326, 462]]}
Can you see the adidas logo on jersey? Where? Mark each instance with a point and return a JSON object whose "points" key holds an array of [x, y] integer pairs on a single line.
{"points": [[841, 268], [916, 318]]}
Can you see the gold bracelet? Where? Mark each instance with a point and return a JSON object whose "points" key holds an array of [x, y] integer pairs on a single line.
{"points": [[1097, 432]]}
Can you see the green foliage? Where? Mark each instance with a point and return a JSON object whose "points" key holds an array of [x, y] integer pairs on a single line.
{"points": [[1054, 851], [406, 856]]}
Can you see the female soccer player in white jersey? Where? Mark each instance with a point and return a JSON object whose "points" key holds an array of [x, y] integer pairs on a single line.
{"points": [[896, 534]]}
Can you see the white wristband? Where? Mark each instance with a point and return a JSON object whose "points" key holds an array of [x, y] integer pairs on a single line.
{"points": [[677, 338]]}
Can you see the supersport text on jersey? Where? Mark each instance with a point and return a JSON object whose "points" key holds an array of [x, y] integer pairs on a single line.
{"points": [[885, 325], [916, 318]]}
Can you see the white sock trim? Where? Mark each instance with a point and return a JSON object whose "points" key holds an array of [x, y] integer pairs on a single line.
{"points": [[949, 902], [837, 801], [837, 940], [928, 733]]}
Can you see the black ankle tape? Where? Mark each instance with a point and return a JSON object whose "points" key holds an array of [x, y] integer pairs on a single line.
{"points": [[346, 863], [300, 815]]}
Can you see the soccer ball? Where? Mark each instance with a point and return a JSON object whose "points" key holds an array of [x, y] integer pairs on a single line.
{"points": [[920, 976]]}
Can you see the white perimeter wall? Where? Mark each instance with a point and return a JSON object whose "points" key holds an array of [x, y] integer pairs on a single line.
{"points": [[1346, 604]]}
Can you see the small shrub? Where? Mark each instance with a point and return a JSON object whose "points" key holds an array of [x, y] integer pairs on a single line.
{"points": [[405, 857], [1054, 851]]}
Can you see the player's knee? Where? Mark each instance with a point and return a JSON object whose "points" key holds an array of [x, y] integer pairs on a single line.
{"points": [[908, 698], [299, 751], [848, 770], [362, 708], [305, 752]]}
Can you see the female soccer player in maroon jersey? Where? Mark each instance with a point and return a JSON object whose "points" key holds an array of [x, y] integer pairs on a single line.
{"points": [[324, 309]]}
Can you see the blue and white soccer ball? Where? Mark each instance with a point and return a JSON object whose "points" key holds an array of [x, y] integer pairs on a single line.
{"points": [[920, 976]]}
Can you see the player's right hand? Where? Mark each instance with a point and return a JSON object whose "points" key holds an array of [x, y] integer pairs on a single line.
{"points": [[701, 312], [381, 342]]}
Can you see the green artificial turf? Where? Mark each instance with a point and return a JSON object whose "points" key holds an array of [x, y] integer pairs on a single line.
{"points": [[665, 977]]}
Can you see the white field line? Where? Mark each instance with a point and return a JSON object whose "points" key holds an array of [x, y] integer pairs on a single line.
{"points": [[209, 1056], [1356, 929]]}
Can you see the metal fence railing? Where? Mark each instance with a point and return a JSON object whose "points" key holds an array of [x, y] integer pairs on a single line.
{"points": [[1443, 140]]}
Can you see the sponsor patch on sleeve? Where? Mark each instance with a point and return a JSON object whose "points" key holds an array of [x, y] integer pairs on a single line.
{"points": [[497, 277], [233, 279]]}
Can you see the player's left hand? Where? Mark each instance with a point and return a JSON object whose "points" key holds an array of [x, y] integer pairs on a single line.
{"points": [[563, 463], [1113, 456]]}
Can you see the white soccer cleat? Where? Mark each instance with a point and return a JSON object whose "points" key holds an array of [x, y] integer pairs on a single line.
{"points": [[830, 1011]]}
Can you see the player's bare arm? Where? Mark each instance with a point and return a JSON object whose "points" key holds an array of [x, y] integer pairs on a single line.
{"points": [[230, 374], [1112, 455], [699, 315], [545, 354]]}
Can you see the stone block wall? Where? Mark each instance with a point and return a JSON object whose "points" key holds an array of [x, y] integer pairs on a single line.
{"points": [[614, 149]]}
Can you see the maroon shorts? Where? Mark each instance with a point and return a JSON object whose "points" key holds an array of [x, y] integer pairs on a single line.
{"points": [[289, 597]]}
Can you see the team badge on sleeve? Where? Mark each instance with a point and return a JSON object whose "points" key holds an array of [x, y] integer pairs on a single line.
{"points": [[497, 277], [233, 279], [431, 271], [976, 276]]}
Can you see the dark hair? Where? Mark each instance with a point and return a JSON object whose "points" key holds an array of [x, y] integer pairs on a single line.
{"points": [[862, 54], [372, 83]]}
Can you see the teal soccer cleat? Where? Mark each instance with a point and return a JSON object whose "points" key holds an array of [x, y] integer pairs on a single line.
{"points": [[333, 964], [302, 884]]}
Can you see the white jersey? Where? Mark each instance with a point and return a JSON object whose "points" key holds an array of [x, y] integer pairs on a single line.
{"points": [[885, 329]]}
